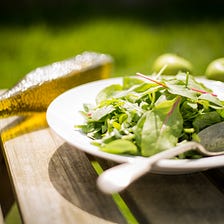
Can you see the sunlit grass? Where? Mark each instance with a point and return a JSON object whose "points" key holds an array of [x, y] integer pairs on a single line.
{"points": [[134, 44]]}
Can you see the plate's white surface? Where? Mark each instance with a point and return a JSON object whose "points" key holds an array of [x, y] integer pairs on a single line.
{"points": [[64, 112]]}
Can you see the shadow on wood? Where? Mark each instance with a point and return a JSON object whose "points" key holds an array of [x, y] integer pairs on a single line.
{"points": [[74, 178]]}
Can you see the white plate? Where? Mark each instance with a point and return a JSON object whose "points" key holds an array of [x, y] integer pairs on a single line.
{"points": [[64, 112]]}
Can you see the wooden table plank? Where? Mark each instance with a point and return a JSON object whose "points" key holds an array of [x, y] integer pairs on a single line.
{"points": [[54, 183], [216, 176], [185, 199], [6, 193]]}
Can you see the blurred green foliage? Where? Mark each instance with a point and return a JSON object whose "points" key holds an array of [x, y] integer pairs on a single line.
{"points": [[134, 39]]}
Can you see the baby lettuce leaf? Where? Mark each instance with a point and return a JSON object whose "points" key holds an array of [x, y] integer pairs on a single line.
{"points": [[181, 90], [214, 101], [162, 127], [130, 81], [204, 120], [108, 92], [120, 146], [101, 112]]}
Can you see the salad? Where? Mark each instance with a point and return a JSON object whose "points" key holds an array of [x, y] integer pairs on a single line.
{"points": [[146, 115]]}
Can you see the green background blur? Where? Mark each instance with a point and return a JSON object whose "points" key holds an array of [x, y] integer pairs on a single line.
{"points": [[34, 33], [135, 32]]}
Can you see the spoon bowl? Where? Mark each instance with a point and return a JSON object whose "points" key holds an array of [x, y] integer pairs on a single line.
{"points": [[120, 177], [212, 138]]}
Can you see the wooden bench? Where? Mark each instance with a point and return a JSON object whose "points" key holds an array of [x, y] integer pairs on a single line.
{"points": [[55, 183]]}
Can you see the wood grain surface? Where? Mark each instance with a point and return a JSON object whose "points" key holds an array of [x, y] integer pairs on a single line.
{"points": [[56, 183], [53, 182]]}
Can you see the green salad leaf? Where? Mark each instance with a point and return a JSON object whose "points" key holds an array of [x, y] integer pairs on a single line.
{"points": [[162, 127], [144, 116]]}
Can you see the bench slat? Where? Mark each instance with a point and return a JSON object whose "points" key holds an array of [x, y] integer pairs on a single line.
{"points": [[54, 183]]}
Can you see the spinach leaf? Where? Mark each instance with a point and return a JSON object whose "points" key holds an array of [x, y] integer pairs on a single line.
{"points": [[120, 146], [162, 127], [108, 92], [204, 120]]}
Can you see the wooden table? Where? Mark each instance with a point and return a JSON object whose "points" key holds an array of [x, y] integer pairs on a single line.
{"points": [[56, 183]]}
